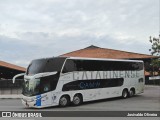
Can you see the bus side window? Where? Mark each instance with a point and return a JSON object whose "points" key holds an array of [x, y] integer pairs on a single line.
{"points": [[69, 66], [78, 64], [140, 80]]}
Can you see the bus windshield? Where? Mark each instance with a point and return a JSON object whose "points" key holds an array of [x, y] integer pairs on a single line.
{"points": [[45, 65], [38, 86], [42, 84], [31, 87]]}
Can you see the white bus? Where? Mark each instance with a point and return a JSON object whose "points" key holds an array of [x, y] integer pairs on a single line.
{"points": [[64, 80]]}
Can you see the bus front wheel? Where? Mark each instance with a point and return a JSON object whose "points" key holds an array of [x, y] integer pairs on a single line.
{"points": [[77, 99], [64, 101]]}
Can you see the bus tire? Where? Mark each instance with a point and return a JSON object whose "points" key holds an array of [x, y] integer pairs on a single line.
{"points": [[77, 100], [64, 101], [125, 93], [131, 93]]}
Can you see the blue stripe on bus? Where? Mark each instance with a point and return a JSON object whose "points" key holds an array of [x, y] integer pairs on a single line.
{"points": [[38, 101]]}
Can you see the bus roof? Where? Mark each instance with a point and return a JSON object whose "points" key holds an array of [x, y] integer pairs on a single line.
{"points": [[84, 58]]}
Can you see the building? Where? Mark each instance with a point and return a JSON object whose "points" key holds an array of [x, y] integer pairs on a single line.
{"points": [[97, 52], [7, 72]]}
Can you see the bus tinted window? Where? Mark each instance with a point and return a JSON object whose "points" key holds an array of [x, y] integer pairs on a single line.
{"points": [[45, 65], [40, 85], [93, 84], [97, 65]]}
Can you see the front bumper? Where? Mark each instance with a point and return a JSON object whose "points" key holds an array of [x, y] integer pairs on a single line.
{"points": [[33, 103], [28, 103]]}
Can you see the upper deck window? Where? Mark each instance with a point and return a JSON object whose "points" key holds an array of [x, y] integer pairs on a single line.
{"points": [[99, 65], [45, 65]]}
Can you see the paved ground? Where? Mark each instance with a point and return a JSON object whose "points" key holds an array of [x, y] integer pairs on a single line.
{"points": [[148, 101]]}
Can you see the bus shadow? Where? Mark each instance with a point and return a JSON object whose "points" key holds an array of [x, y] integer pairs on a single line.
{"points": [[108, 100], [83, 104], [38, 109], [102, 100]]}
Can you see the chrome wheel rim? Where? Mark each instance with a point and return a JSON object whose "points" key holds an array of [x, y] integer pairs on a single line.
{"points": [[131, 93], [124, 94], [63, 101], [76, 100]]}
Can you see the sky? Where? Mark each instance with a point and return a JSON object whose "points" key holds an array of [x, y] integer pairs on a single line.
{"points": [[31, 29]]}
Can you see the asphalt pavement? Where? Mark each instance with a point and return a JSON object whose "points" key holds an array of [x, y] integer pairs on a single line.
{"points": [[147, 101]]}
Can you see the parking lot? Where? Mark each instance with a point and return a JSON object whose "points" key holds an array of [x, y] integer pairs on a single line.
{"points": [[147, 101]]}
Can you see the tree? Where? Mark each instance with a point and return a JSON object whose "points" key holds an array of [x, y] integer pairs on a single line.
{"points": [[155, 50]]}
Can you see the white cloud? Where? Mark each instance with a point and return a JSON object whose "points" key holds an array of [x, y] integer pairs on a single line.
{"points": [[41, 28]]}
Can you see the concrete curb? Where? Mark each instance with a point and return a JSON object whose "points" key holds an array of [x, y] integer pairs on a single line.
{"points": [[10, 96], [152, 86]]}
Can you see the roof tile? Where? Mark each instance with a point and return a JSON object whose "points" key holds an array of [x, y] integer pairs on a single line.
{"points": [[11, 66], [97, 52]]}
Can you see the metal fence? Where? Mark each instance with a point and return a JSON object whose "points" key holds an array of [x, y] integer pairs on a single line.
{"points": [[151, 82], [7, 87]]}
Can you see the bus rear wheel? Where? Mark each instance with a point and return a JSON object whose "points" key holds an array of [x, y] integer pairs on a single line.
{"points": [[125, 93], [131, 93], [64, 101], [77, 100]]}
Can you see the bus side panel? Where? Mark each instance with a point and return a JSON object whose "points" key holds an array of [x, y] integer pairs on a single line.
{"points": [[133, 81]]}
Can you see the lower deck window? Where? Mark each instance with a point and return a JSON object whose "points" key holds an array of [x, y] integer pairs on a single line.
{"points": [[93, 84]]}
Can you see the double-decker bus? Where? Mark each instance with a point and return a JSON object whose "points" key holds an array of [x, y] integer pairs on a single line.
{"points": [[64, 80]]}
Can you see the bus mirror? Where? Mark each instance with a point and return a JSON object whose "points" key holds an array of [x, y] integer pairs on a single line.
{"points": [[14, 78]]}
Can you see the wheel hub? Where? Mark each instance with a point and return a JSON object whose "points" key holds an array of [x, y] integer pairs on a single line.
{"points": [[76, 100], [63, 101]]}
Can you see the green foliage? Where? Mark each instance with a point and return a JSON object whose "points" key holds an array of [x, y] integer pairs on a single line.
{"points": [[155, 50]]}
